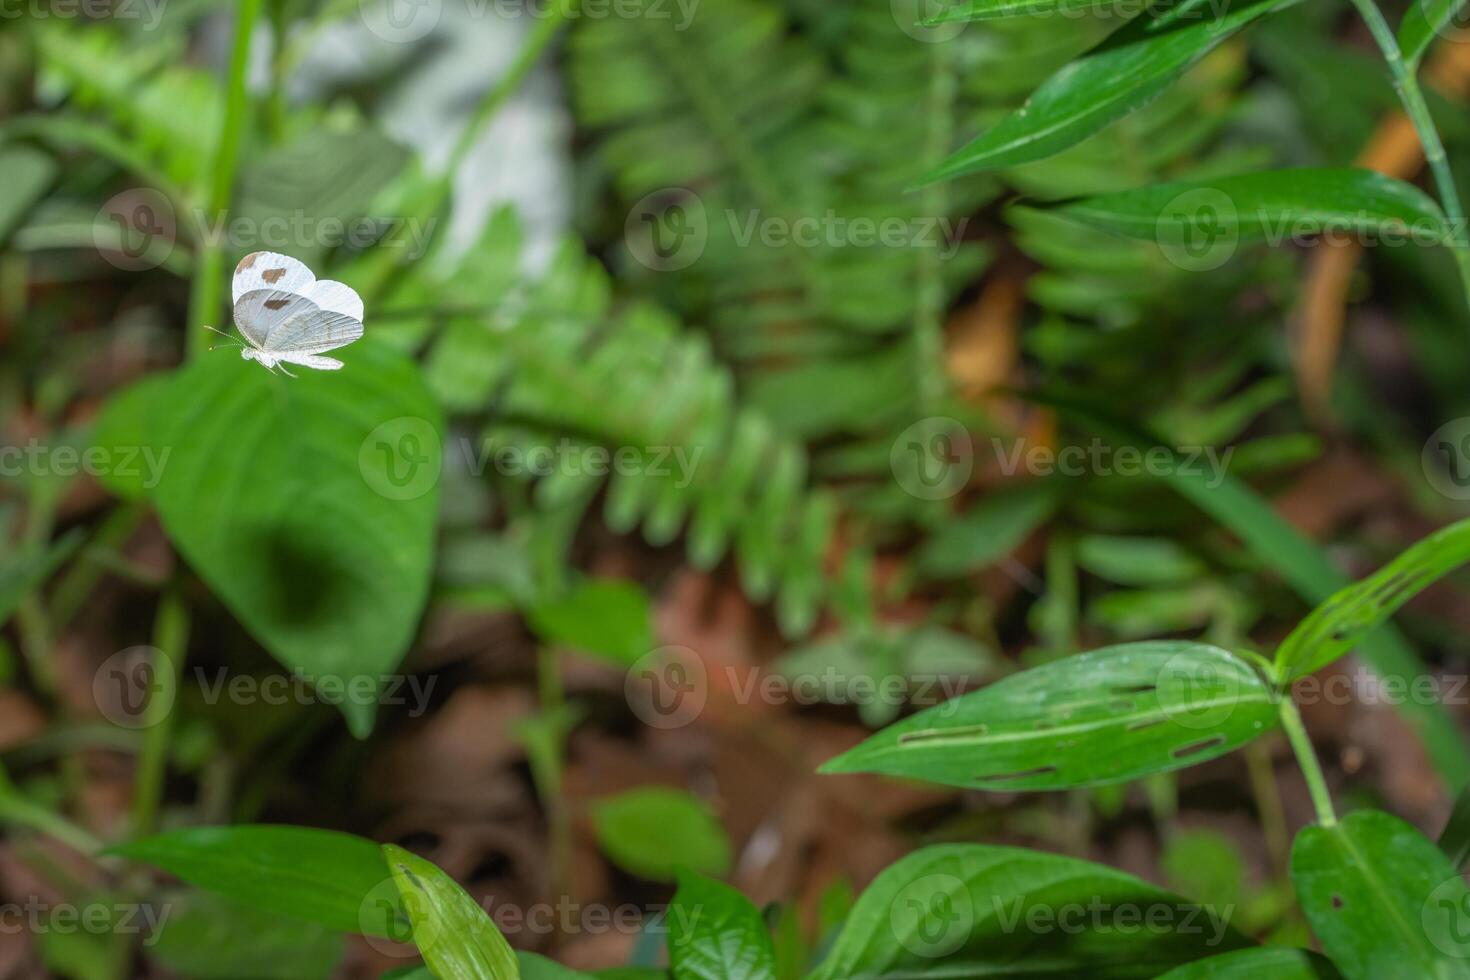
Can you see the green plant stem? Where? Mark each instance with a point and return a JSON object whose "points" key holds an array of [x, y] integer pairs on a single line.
{"points": [[389, 262], [171, 636], [204, 292], [1406, 84], [929, 310], [1306, 757]]}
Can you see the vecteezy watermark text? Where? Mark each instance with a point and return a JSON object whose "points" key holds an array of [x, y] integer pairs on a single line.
{"points": [[1098, 458], [38, 917], [36, 458]]}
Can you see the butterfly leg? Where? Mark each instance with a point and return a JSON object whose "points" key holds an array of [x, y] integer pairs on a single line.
{"points": [[284, 371]]}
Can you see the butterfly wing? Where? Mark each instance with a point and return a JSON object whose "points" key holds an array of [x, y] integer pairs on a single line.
{"points": [[336, 297], [313, 361], [258, 312], [302, 327], [270, 270]]}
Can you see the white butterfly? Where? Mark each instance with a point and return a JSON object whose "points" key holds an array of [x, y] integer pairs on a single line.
{"points": [[288, 316]]}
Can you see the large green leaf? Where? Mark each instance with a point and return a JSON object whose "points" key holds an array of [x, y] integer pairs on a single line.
{"points": [[1384, 901], [688, 834], [455, 936], [1271, 204], [125, 432], [313, 875], [971, 910], [1275, 962], [1124, 74], [308, 505], [1340, 623], [1101, 717], [715, 933], [1423, 22]]}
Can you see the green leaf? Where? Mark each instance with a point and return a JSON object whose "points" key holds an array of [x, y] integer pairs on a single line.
{"points": [[654, 831], [1423, 22], [24, 572], [1101, 717], [1340, 623], [455, 936], [1276, 962], [207, 937], [1383, 900], [1273, 204], [715, 933], [971, 910], [313, 875], [1138, 561], [983, 10], [28, 173], [124, 431], [990, 531], [1127, 72], [308, 506], [606, 617], [1304, 566]]}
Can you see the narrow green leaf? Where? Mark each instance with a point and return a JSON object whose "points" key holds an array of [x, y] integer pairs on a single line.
{"points": [[689, 835], [1341, 623], [455, 936], [1454, 840], [972, 910], [313, 875], [1110, 715], [308, 506], [606, 617], [715, 933], [23, 573], [983, 10], [1126, 73], [1275, 962], [989, 532], [28, 173], [1276, 205], [1424, 22], [1384, 901]]}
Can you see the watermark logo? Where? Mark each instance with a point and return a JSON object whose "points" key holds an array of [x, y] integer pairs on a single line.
{"points": [[1198, 231], [402, 458], [932, 916], [400, 21], [1445, 917], [911, 17], [135, 688], [933, 459], [667, 230], [136, 229], [667, 688], [1446, 459], [1195, 693]]}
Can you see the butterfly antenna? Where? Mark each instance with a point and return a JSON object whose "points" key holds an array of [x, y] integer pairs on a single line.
{"points": [[231, 339]]}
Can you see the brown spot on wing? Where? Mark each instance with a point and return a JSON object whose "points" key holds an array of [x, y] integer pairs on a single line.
{"points": [[249, 260], [272, 276], [275, 304]]}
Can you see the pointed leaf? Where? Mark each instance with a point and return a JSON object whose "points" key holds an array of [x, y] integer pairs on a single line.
{"points": [[715, 933], [1126, 73], [308, 505], [971, 910], [1384, 901], [1101, 717], [1276, 962], [455, 936], [689, 835], [313, 875], [1424, 22], [1212, 216]]}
